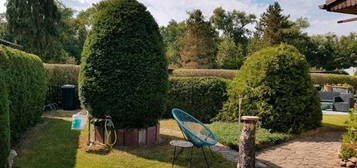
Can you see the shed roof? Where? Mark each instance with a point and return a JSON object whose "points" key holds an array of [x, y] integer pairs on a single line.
{"points": [[341, 6]]}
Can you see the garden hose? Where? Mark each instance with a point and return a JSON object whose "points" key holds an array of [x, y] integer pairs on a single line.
{"points": [[109, 124]]}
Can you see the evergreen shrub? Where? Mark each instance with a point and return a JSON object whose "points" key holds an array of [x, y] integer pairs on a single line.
{"points": [[4, 121], [349, 144], [23, 85], [26, 83], [124, 70], [276, 85]]}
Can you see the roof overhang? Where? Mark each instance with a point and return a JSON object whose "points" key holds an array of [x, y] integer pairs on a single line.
{"points": [[341, 6]]}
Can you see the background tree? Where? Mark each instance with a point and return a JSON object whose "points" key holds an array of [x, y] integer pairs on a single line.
{"points": [[234, 25], [4, 33], [74, 29], [34, 25], [347, 51], [273, 24], [301, 40], [326, 52], [68, 32], [198, 45], [229, 55], [172, 34]]}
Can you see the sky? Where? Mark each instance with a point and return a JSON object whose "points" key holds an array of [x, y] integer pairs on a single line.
{"points": [[322, 22]]}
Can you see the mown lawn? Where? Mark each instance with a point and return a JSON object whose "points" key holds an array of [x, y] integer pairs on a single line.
{"points": [[53, 144], [229, 133], [334, 120]]}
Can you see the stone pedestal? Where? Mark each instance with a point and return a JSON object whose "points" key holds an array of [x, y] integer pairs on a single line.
{"points": [[247, 142]]}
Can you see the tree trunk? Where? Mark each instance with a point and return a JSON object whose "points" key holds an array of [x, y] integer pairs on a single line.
{"points": [[247, 143]]}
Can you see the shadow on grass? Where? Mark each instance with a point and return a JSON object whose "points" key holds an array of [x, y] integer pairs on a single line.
{"points": [[164, 153], [52, 144]]}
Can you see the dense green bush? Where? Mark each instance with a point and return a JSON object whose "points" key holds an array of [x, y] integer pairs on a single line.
{"points": [[201, 97], [323, 79], [349, 145], [26, 83], [124, 69], [4, 121], [222, 73], [276, 85]]}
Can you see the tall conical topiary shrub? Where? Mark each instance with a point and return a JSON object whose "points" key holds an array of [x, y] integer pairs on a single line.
{"points": [[276, 85], [124, 70]]}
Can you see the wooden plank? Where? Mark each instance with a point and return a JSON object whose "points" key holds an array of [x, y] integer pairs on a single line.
{"points": [[347, 20]]}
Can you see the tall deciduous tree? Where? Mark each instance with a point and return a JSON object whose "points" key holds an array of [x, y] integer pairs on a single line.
{"points": [[4, 33], [229, 55], [34, 24], [233, 24], [199, 42], [172, 34]]}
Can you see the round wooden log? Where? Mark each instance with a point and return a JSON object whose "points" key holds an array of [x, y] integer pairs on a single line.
{"points": [[247, 142]]}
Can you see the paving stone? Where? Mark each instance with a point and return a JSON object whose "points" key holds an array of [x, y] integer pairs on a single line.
{"points": [[316, 151]]}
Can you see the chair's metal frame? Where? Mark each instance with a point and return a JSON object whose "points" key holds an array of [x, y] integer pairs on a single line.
{"points": [[202, 148]]}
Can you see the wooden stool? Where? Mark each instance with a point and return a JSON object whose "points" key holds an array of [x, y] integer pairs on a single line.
{"points": [[183, 145]]}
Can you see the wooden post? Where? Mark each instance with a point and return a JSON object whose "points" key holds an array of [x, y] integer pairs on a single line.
{"points": [[247, 142]]}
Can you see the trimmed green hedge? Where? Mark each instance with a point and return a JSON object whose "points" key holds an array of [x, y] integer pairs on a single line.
{"points": [[276, 85], [59, 75], [124, 69], [68, 74], [26, 84], [201, 97], [62, 74], [222, 73], [323, 79], [4, 121]]}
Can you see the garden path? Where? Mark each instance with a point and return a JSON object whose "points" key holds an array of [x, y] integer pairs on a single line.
{"points": [[318, 151]]}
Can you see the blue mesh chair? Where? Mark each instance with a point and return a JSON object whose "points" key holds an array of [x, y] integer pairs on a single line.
{"points": [[194, 131]]}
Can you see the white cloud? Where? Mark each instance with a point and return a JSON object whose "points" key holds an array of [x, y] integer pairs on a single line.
{"points": [[165, 10], [2, 6]]}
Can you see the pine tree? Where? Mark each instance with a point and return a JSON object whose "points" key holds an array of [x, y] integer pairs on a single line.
{"points": [[273, 24], [198, 46], [34, 25]]}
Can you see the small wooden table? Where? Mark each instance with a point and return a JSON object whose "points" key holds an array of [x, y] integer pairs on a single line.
{"points": [[183, 145]]}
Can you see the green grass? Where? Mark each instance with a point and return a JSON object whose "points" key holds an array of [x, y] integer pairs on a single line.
{"points": [[55, 145], [228, 133], [334, 120]]}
